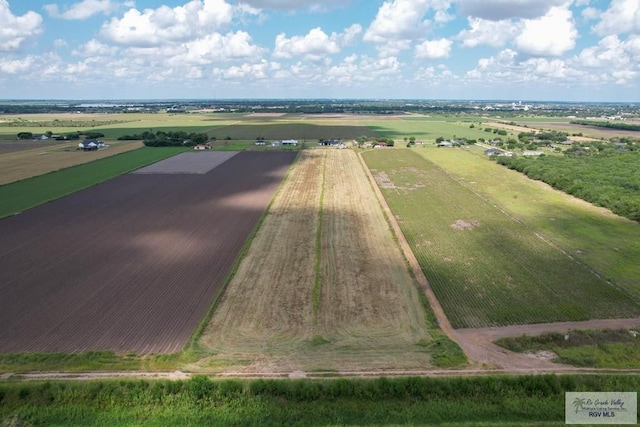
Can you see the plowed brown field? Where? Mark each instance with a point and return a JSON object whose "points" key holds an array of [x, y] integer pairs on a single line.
{"points": [[131, 264]]}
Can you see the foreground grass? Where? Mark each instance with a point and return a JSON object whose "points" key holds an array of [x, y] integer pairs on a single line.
{"points": [[19, 196], [608, 348], [486, 268], [401, 401]]}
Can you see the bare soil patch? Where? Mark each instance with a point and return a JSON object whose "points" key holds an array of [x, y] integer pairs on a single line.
{"points": [[512, 128], [193, 162], [465, 225], [131, 264], [13, 146]]}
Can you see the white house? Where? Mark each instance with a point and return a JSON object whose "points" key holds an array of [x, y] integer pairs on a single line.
{"points": [[293, 142], [91, 145]]}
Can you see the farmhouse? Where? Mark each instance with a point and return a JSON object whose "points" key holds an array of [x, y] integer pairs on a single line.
{"points": [[91, 145], [290, 142], [329, 142], [445, 144], [202, 147]]}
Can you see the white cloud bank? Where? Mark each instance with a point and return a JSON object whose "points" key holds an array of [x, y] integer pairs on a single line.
{"points": [[16, 31]]}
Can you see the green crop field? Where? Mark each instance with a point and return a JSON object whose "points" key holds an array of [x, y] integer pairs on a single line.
{"points": [[485, 267], [289, 130], [428, 129], [31, 192], [594, 236]]}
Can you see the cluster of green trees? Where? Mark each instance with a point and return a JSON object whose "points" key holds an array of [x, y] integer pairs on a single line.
{"points": [[496, 131], [609, 125], [65, 137], [168, 139], [388, 141], [609, 179], [548, 136]]}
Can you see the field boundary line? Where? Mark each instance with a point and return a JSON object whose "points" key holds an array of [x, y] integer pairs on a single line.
{"points": [[192, 344], [316, 294], [441, 318]]}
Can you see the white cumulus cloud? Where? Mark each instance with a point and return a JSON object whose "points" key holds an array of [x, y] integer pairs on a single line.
{"points": [[15, 31], [399, 22], [315, 45], [487, 32], [86, 8], [622, 16], [552, 34], [433, 49], [313, 5], [13, 66], [497, 10], [153, 27]]}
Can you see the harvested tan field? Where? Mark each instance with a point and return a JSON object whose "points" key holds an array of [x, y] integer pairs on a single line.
{"points": [[511, 128], [324, 285], [587, 131], [28, 163]]}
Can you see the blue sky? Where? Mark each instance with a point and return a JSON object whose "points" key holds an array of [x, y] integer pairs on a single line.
{"points": [[564, 50]]}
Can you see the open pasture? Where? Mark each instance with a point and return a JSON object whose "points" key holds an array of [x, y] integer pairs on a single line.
{"points": [[608, 243], [587, 131], [323, 286], [427, 129], [290, 129], [132, 264], [485, 267]]}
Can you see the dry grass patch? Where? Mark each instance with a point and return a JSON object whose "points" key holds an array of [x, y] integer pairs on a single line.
{"points": [[368, 312]]}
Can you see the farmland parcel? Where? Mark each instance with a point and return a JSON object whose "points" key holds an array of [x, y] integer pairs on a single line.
{"points": [[131, 264], [324, 286], [486, 268]]}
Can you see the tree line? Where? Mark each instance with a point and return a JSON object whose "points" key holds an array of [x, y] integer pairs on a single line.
{"points": [[607, 124], [609, 179], [168, 138], [64, 137]]}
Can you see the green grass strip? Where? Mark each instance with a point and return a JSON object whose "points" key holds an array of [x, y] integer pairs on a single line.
{"points": [[317, 286], [26, 194]]}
